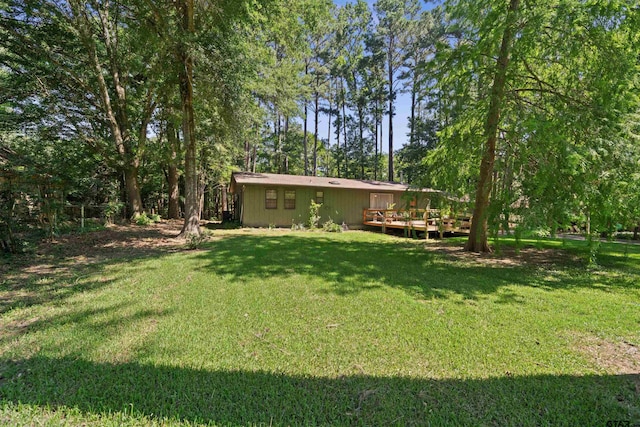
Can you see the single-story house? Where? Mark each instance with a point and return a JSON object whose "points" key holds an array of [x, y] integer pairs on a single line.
{"points": [[266, 199]]}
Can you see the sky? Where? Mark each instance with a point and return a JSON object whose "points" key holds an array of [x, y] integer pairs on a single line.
{"points": [[402, 109]]}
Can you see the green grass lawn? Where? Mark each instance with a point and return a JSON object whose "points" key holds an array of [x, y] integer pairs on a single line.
{"points": [[284, 328]]}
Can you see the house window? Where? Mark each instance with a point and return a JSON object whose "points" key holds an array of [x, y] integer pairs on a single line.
{"points": [[319, 197], [271, 199], [290, 199], [380, 200]]}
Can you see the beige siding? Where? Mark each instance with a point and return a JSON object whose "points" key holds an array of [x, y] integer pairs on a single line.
{"points": [[341, 205], [255, 214]]}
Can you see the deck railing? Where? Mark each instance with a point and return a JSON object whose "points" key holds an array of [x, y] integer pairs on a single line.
{"points": [[422, 219]]}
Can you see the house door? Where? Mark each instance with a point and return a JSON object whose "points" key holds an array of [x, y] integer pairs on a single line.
{"points": [[380, 200]]}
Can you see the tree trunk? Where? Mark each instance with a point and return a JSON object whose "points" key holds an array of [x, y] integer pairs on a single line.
{"points": [[172, 175], [223, 196], [391, 99], [174, 193], [412, 121], [192, 206], [315, 132], [344, 132], [478, 233], [254, 155], [375, 140], [329, 120], [361, 131], [305, 140], [338, 133], [381, 139], [202, 186], [247, 154], [279, 149], [133, 190], [115, 112]]}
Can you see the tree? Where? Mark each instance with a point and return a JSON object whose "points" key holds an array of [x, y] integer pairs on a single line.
{"points": [[394, 20], [185, 13], [544, 93], [355, 24], [478, 233], [79, 57]]}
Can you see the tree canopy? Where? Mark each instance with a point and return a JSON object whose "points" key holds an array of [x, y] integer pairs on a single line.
{"points": [[528, 109]]}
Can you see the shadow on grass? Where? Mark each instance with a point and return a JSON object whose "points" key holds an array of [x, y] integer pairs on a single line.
{"points": [[352, 266], [76, 263], [618, 255], [243, 398], [22, 290]]}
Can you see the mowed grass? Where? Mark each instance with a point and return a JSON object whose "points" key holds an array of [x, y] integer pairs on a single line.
{"points": [[282, 328]]}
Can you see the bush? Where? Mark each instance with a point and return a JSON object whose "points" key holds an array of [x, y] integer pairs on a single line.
{"points": [[144, 219], [314, 216], [194, 240], [297, 227], [623, 235], [111, 210], [332, 227], [540, 233]]}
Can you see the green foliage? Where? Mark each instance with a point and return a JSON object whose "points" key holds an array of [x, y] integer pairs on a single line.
{"points": [[331, 227], [563, 145], [195, 241], [517, 234], [568, 140], [593, 242], [297, 226], [144, 219], [314, 214], [112, 210]]}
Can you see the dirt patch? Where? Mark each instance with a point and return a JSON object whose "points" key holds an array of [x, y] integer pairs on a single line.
{"points": [[508, 256], [620, 358], [59, 268], [67, 252], [115, 240]]}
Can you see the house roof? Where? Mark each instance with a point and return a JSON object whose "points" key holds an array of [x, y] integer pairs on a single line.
{"points": [[242, 178]]}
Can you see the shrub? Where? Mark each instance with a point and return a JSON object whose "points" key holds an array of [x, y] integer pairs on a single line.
{"points": [[314, 216], [111, 210], [332, 227], [623, 235], [540, 233], [143, 219], [194, 241]]}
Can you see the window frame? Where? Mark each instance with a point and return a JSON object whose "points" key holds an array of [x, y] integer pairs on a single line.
{"points": [[374, 195], [288, 206], [319, 200], [270, 203]]}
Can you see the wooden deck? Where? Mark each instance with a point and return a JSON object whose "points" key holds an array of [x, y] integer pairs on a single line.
{"points": [[429, 220]]}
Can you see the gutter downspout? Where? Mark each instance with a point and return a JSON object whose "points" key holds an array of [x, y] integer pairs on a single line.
{"points": [[242, 206]]}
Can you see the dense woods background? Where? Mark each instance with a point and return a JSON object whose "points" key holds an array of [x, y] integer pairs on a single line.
{"points": [[529, 108]]}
